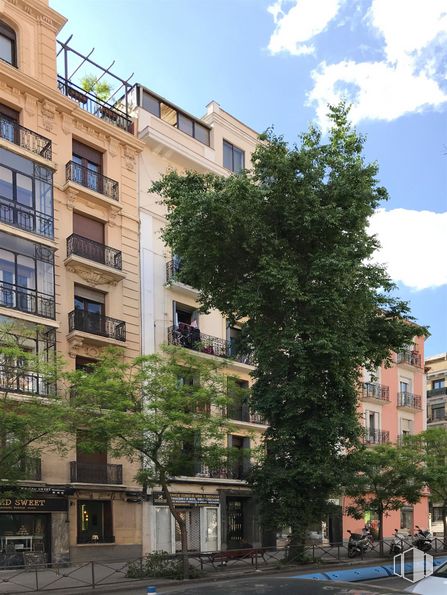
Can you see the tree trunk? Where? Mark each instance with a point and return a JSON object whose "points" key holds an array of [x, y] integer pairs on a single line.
{"points": [[297, 542], [380, 515], [444, 523], [182, 527]]}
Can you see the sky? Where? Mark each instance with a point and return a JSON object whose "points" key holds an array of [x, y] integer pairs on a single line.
{"points": [[279, 63]]}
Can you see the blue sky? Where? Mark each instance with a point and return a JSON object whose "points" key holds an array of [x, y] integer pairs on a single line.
{"points": [[279, 62]]}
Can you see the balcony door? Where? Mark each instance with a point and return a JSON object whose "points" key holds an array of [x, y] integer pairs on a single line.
{"points": [[91, 461], [87, 168], [88, 228]]}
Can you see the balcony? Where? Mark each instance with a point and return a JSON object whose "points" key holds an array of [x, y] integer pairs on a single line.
{"points": [[409, 401], [244, 414], [375, 392], [185, 335], [96, 473], [172, 269], [109, 329], [94, 262], [411, 358], [92, 180], [26, 300], [437, 392], [18, 380], [107, 112], [26, 219], [25, 138], [438, 418], [235, 471], [376, 437]]}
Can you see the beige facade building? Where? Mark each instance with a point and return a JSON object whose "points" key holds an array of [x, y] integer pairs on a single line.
{"points": [[69, 262], [217, 503]]}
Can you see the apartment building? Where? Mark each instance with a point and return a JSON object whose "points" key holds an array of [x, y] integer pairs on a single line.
{"points": [[392, 404], [217, 503], [69, 268]]}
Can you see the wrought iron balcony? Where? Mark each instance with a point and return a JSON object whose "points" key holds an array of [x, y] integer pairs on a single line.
{"points": [[95, 473], [230, 471], [372, 390], [172, 269], [96, 324], [25, 138], [26, 300], [437, 418], [411, 358], [95, 251], [27, 219], [185, 335], [376, 437], [18, 380], [409, 400], [244, 414], [437, 392], [90, 103], [92, 180]]}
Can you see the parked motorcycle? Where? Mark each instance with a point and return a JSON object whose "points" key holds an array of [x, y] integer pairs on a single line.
{"points": [[397, 544], [359, 543], [422, 539]]}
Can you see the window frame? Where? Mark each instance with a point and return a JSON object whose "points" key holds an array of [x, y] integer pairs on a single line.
{"points": [[7, 32], [233, 148]]}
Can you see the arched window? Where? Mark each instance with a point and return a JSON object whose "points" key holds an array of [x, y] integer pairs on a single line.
{"points": [[7, 44]]}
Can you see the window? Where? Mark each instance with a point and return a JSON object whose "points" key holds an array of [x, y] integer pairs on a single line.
{"points": [[438, 412], [406, 426], [26, 193], [406, 518], [238, 394], [239, 461], [8, 118], [436, 514], [95, 521], [438, 384], [7, 44], [404, 386], [26, 276], [87, 166], [233, 158], [89, 228], [89, 310]]}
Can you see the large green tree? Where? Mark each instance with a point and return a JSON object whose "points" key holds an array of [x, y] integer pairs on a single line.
{"points": [[164, 411], [285, 246], [32, 413], [384, 478]]}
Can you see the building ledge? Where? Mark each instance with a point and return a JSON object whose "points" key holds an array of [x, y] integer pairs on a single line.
{"points": [[76, 194], [93, 272], [9, 146], [77, 339], [13, 313]]}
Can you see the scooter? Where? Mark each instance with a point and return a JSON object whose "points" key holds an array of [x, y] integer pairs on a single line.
{"points": [[396, 546], [359, 543], [422, 539]]}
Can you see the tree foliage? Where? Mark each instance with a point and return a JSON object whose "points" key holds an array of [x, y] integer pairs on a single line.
{"points": [[384, 478], [31, 411], [285, 246], [154, 410]]}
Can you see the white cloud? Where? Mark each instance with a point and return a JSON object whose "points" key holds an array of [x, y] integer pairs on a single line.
{"points": [[305, 20], [412, 246]]}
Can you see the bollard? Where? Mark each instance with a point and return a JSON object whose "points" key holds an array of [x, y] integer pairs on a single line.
{"points": [[151, 590]]}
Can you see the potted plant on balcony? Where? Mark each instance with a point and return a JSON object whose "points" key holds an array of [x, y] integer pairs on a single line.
{"points": [[102, 91]]}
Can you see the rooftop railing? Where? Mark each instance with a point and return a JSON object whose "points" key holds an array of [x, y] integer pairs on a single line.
{"points": [[92, 180], [25, 138], [95, 251]]}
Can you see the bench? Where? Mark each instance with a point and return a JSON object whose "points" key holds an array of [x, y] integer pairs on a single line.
{"points": [[225, 556]]}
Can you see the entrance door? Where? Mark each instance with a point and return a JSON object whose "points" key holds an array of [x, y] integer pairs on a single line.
{"points": [[210, 529], [235, 523]]}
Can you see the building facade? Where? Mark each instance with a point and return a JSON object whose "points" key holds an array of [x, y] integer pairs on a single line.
{"points": [[69, 268], [217, 504]]}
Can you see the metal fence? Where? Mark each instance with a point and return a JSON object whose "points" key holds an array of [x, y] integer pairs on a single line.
{"points": [[36, 576]]}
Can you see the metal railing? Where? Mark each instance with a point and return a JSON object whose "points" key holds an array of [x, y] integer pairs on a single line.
{"points": [[27, 219], [172, 269], [92, 179], [437, 418], [412, 358], [185, 335], [96, 473], [95, 251], [228, 471], [437, 392], [26, 300], [376, 437], [409, 400], [244, 414], [25, 138], [375, 391], [90, 103], [18, 380], [96, 324]]}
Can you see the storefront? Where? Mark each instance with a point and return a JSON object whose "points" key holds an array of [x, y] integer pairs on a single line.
{"points": [[201, 513], [32, 528]]}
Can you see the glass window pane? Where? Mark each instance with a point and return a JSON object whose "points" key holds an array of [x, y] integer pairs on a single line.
{"points": [[238, 160], [45, 278], [17, 162], [5, 183], [211, 529], [163, 529], [228, 155], [151, 104], [7, 128], [26, 275], [185, 124], [6, 49], [24, 190], [201, 133], [7, 266]]}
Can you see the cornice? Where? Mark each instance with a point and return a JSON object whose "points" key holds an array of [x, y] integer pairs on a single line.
{"points": [[40, 12]]}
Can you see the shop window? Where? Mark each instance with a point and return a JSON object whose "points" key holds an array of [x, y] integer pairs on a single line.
{"points": [[8, 52], [22, 533], [95, 521]]}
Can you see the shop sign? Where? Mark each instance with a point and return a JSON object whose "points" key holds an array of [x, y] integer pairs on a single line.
{"points": [[187, 499], [33, 504]]}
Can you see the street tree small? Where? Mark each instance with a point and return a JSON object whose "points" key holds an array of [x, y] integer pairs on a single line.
{"points": [[432, 446], [32, 413], [384, 478], [163, 410]]}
